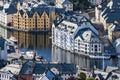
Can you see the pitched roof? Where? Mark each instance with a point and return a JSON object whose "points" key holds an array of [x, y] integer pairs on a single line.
{"points": [[86, 34], [40, 9], [111, 11], [63, 68], [27, 68], [31, 67]]}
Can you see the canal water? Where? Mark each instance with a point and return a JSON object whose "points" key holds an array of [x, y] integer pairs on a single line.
{"points": [[41, 42]]}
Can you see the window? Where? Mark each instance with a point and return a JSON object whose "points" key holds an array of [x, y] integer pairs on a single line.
{"points": [[96, 50], [85, 45]]}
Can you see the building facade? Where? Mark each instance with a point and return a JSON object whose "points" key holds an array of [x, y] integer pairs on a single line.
{"points": [[36, 18], [6, 14], [79, 37]]}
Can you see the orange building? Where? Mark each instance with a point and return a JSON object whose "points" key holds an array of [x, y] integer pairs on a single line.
{"points": [[38, 18]]}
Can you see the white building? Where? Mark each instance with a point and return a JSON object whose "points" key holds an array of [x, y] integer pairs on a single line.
{"points": [[3, 49], [68, 5], [6, 75], [8, 72], [77, 36]]}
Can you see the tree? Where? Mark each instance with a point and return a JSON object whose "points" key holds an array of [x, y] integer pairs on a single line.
{"points": [[90, 79], [21, 58], [72, 78], [73, 1], [52, 3], [82, 76]]}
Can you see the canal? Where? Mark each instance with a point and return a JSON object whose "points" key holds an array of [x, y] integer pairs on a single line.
{"points": [[41, 42]]}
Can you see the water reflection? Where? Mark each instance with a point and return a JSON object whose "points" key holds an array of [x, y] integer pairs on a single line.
{"points": [[63, 56], [31, 41]]}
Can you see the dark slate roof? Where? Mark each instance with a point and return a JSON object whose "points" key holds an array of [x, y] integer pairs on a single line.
{"points": [[111, 15], [63, 68], [27, 68], [109, 75], [11, 10], [81, 31], [31, 67], [59, 10], [39, 10], [2, 43], [21, 12], [100, 77], [67, 2], [16, 1]]}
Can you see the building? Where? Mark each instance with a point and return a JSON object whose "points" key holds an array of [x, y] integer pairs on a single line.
{"points": [[114, 74], [68, 5], [117, 45], [3, 49], [95, 2], [37, 17], [50, 75], [6, 14], [77, 34], [9, 72], [108, 13], [114, 32], [7, 75], [37, 71]]}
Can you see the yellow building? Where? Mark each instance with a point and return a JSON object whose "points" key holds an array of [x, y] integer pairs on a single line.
{"points": [[38, 18]]}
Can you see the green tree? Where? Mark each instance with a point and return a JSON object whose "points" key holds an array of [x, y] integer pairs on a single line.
{"points": [[21, 58], [73, 1], [52, 3], [90, 79], [82, 76]]}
